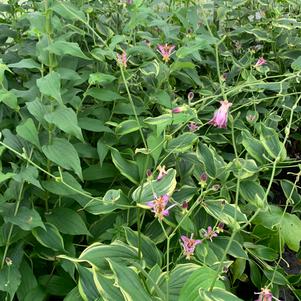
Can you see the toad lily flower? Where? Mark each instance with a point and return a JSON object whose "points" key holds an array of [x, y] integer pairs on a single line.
{"points": [[189, 245], [210, 233], [261, 61], [220, 116], [166, 51], [265, 295], [158, 206], [122, 59]]}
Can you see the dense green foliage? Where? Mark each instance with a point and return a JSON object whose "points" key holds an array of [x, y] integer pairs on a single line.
{"points": [[150, 150]]}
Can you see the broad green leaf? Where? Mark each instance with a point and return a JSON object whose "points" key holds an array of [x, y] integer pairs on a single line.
{"points": [[64, 47], [271, 142], [57, 285], [164, 186], [155, 146], [93, 125], [66, 120], [129, 282], [67, 221], [127, 168], [99, 78], [73, 295], [50, 85], [235, 248], [25, 64], [29, 174], [206, 156], [63, 153], [118, 251], [29, 132], [102, 150], [181, 143], [9, 98], [97, 172], [68, 11], [288, 225], [217, 294], [290, 191], [276, 277], [112, 200], [151, 254], [225, 212], [178, 277], [243, 168], [260, 251], [296, 64], [10, 279], [37, 293], [127, 127], [253, 193], [199, 279], [7, 176], [253, 146], [86, 285], [49, 237], [103, 94], [26, 219], [106, 287]]}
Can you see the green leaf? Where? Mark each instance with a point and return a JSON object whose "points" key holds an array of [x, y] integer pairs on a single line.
{"points": [[26, 219], [225, 212], [25, 64], [93, 125], [276, 277], [66, 120], [151, 254], [29, 174], [296, 64], [73, 295], [50, 85], [253, 146], [9, 98], [112, 200], [128, 282], [260, 251], [164, 186], [103, 94], [10, 279], [99, 78], [102, 151], [29, 132], [7, 176], [206, 156], [181, 143], [64, 47], [235, 248], [97, 172], [68, 11], [126, 127], [86, 285], [253, 193], [288, 225], [63, 153], [199, 279], [127, 168], [217, 294], [49, 237], [178, 277], [67, 221], [155, 146], [243, 168], [97, 253], [271, 142]]}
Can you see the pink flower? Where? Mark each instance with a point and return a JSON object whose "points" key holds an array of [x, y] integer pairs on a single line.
{"points": [[261, 61], [122, 59], [264, 295], [177, 110], [193, 126], [210, 233], [189, 245], [162, 172], [220, 116], [158, 206], [166, 51]]}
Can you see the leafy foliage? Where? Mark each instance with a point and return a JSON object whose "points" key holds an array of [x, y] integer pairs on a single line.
{"points": [[150, 150]]}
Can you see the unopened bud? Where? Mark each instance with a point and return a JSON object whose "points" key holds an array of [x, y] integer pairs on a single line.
{"points": [[190, 96]]}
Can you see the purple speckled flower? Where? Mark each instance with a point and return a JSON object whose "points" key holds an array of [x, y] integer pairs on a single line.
{"points": [[193, 126], [189, 245], [210, 233], [261, 61], [158, 206], [166, 51], [220, 117], [264, 295]]}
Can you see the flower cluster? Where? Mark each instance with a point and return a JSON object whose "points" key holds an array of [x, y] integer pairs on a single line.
{"points": [[265, 295], [122, 59]]}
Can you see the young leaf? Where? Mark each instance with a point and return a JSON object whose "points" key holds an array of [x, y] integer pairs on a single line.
{"points": [[63, 153]]}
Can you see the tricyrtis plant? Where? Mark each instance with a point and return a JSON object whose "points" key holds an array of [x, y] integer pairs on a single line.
{"points": [[150, 150]]}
